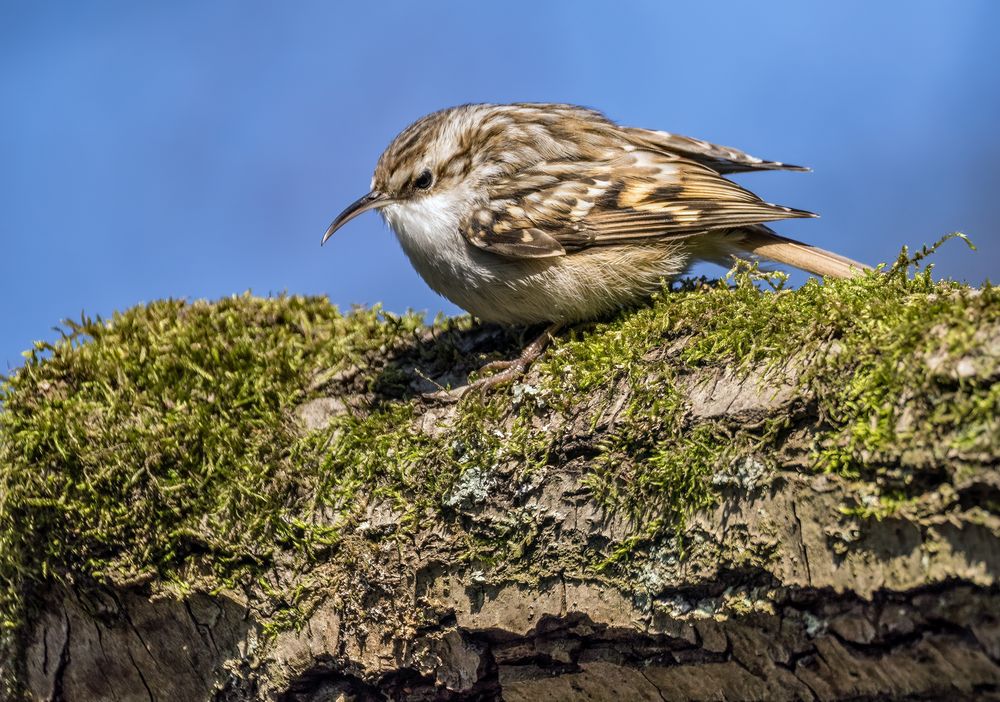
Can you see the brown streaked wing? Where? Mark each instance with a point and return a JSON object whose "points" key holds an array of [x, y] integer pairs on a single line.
{"points": [[563, 206], [490, 230]]}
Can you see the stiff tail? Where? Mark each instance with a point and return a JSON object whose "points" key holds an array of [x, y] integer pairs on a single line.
{"points": [[761, 241]]}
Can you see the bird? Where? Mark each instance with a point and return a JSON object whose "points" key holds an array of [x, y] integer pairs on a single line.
{"points": [[531, 213]]}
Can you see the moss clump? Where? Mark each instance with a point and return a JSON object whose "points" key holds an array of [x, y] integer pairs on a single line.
{"points": [[132, 446], [882, 355]]}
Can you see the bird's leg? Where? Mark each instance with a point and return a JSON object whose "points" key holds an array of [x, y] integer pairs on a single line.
{"points": [[513, 369], [509, 370]]}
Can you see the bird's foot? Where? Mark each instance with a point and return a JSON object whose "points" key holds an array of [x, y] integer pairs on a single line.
{"points": [[508, 371], [513, 369]]}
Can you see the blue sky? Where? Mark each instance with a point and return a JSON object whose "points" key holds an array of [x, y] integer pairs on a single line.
{"points": [[192, 149]]}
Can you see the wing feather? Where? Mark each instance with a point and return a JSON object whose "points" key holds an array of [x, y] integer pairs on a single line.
{"points": [[722, 159], [637, 195]]}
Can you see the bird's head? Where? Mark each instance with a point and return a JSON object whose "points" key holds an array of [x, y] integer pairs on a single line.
{"points": [[433, 156], [451, 155]]}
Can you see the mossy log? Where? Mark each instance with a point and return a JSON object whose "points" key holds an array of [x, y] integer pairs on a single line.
{"points": [[737, 492]]}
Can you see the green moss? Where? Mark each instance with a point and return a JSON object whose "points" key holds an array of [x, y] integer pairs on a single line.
{"points": [[879, 355], [655, 465], [880, 506], [377, 453], [164, 437], [162, 443]]}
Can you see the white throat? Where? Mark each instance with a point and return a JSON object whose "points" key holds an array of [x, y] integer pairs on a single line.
{"points": [[428, 229], [426, 223]]}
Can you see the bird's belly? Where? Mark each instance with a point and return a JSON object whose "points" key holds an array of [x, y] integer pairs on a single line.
{"points": [[578, 286]]}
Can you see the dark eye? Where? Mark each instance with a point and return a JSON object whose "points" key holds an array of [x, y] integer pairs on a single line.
{"points": [[423, 180]]}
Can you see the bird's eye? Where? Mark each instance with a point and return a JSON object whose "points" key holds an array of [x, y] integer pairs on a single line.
{"points": [[423, 180]]}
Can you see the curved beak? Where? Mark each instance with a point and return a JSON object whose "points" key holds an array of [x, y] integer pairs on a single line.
{"points": [[371, 201]]}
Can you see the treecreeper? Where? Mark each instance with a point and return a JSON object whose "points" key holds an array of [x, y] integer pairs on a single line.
{"points": [[535, 213]]}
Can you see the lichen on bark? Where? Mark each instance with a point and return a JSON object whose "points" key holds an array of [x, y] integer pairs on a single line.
{"points": [[737, 490]]}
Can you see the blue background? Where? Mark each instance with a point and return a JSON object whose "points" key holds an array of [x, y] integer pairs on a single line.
{"points": [[195, 149]]}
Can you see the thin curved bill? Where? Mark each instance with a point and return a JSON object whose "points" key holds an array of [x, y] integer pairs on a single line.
{"points": [[371, 201]]}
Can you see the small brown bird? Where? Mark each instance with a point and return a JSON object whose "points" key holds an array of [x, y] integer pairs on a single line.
{"points": [[530, 213]]}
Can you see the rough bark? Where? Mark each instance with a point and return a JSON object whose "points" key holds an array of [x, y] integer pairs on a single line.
{"points": [[778, 593]]}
